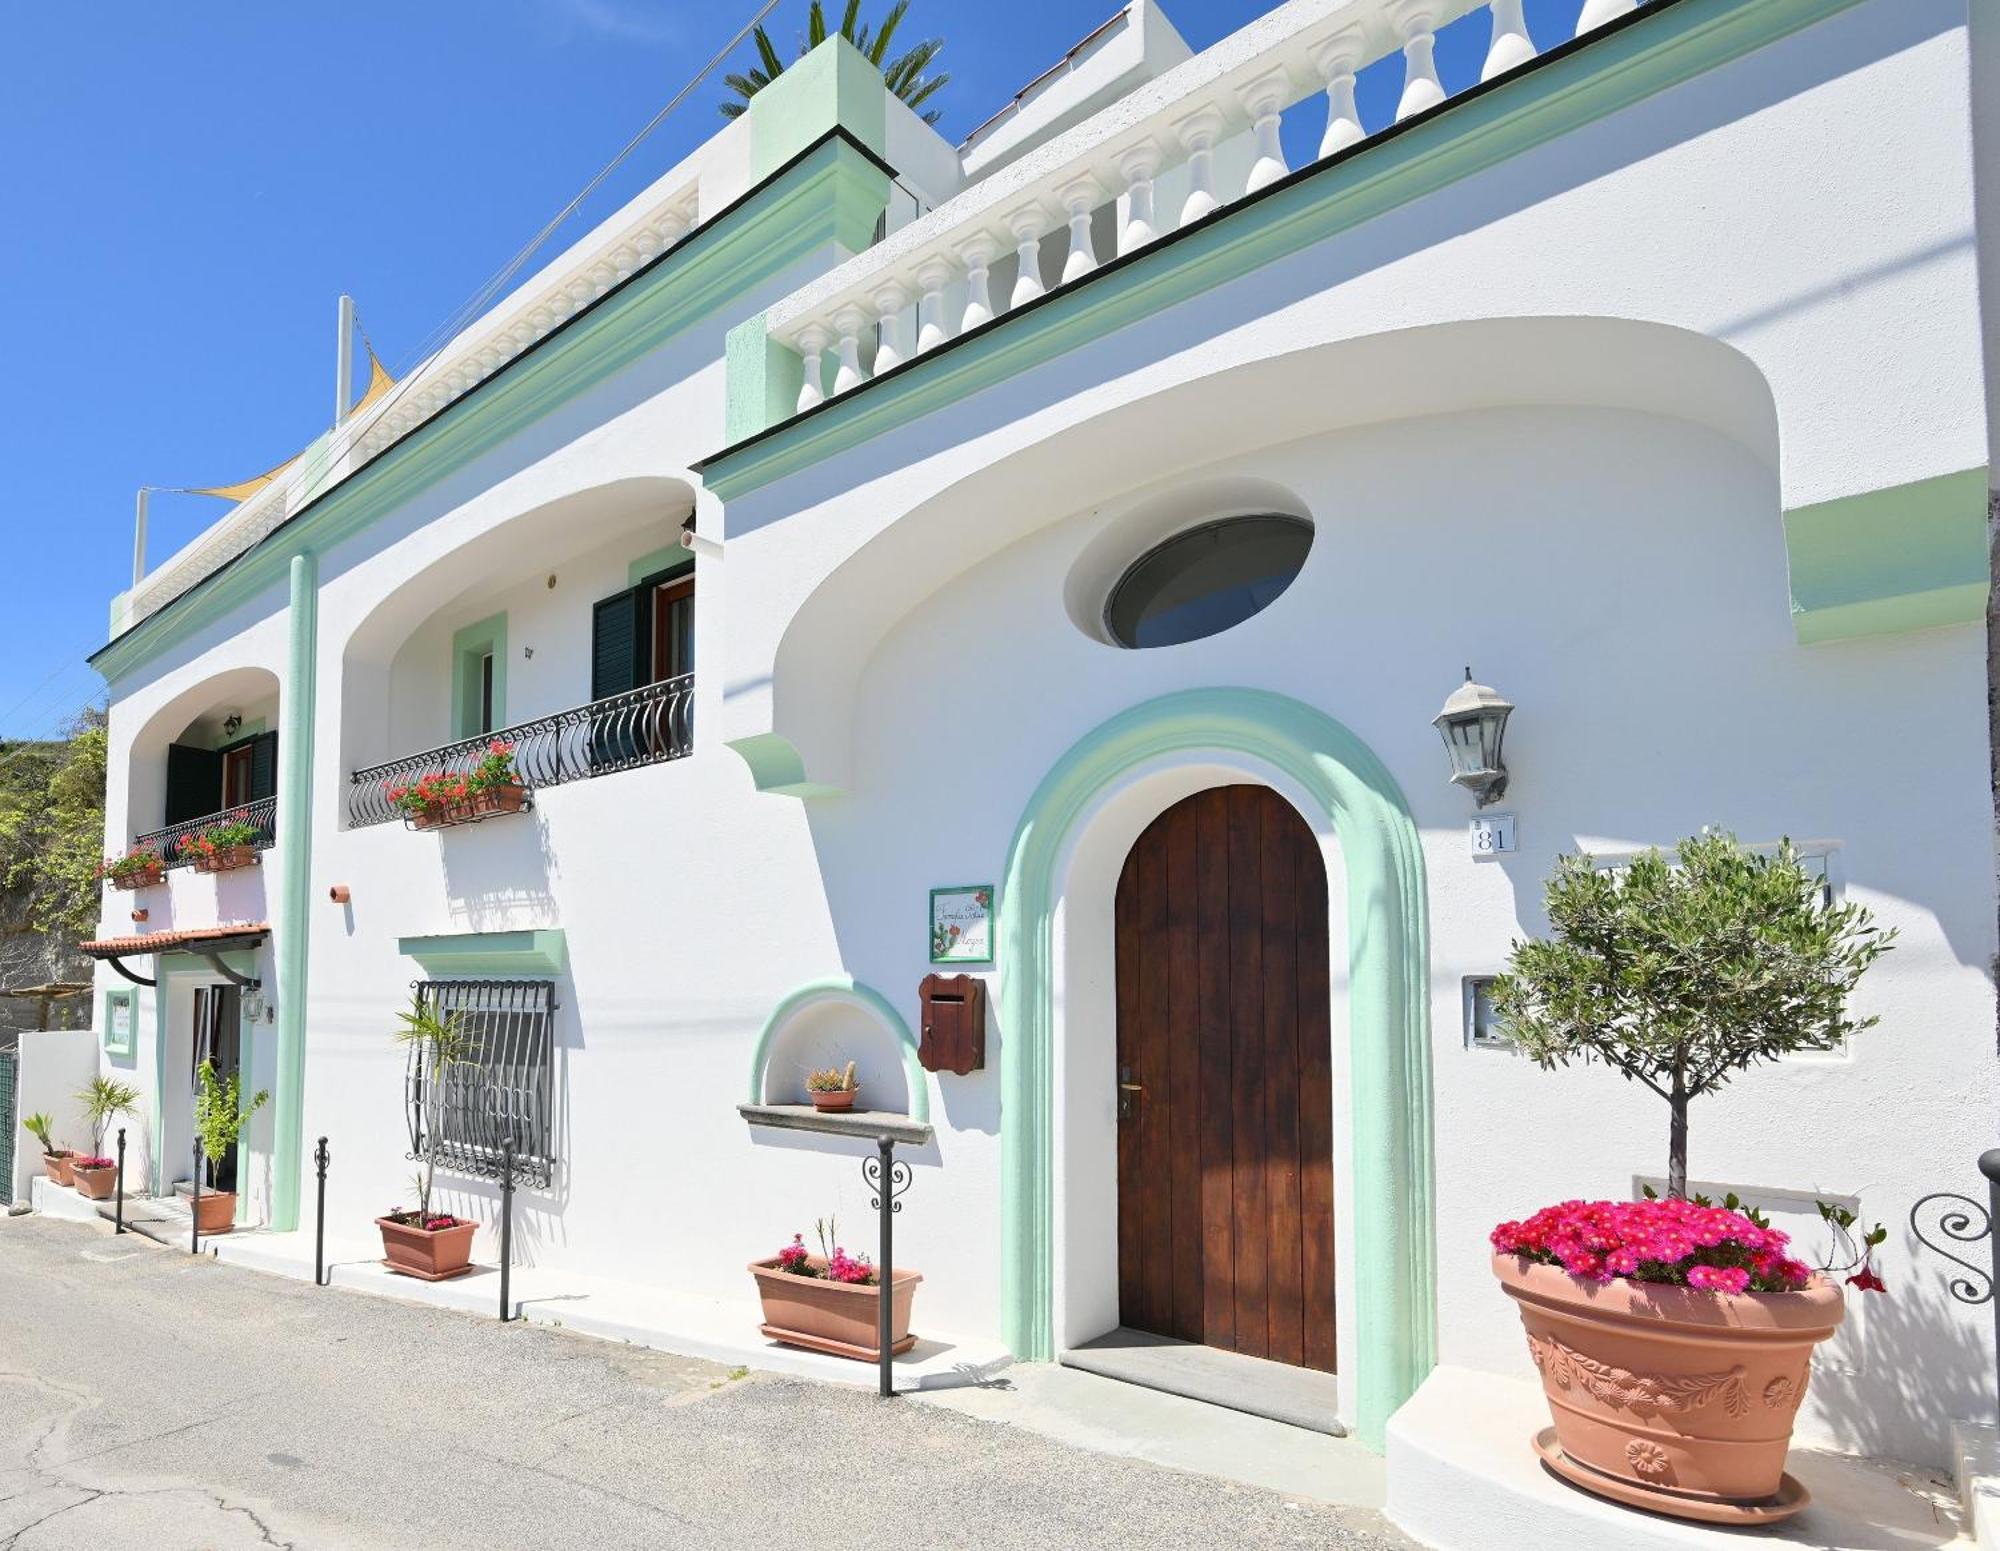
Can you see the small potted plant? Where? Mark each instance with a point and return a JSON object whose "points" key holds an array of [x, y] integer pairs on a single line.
{"points": [[223, 847], [220, 1119], [426, 801], [101, 1099], [430, 1246], [832, 1301], [1674, 1337], [138, 868], [55, 1160], [833, 1090]]}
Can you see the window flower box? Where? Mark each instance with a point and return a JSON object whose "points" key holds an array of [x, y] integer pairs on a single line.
{"points": [[223, 847], [138, 868], [821, 1303], [226, 859], [439, 799]]}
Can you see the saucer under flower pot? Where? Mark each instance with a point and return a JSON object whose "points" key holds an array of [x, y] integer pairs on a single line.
{"points": [[835, 1101]]}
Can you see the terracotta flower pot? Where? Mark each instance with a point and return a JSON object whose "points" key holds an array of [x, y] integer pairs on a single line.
{"points": [[430, 1254], [97, 1184], [1679, 1398], [143, 878], [838, 1100], [215, 1213], [227, 859], [56, 1166], [836, 1317], [510, 798]]}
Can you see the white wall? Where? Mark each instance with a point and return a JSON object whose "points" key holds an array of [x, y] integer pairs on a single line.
{"points": [[51, 1067]]}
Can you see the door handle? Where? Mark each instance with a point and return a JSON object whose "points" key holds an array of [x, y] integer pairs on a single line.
{"points": [[1128, 1095]]}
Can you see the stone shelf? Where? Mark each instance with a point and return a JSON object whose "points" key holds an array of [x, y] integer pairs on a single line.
{"points": [[867, 1124]]}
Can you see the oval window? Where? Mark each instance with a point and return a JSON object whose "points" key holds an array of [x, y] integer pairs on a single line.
{"points": [[1201, 582]]}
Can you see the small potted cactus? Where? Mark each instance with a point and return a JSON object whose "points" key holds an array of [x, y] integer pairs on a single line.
{"points": [[833, 1090]]}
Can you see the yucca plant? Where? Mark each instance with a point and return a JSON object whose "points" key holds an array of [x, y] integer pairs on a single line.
{"points": [[101, 1099], [442, 1043], [903, 75]]}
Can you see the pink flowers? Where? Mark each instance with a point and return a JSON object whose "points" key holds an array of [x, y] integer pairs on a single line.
{"points": [[1678, 1243], [793, 1256], [851, 1269], [839, 1266]]}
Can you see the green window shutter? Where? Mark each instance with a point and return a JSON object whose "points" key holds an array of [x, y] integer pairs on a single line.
{"points": [[194, 782], [620, 648], [264, 766]]}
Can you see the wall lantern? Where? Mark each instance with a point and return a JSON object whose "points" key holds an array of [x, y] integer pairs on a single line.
{"points": [[1473, 723], [232, 724]]}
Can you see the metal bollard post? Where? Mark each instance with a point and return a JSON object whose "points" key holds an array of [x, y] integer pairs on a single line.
{"points": [[194, 1211], [1989, 1165], [506, 1223], [320, 1157], [886, 1269], [120, 1208]]}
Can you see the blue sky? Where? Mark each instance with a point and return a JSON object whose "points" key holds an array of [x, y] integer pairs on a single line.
{"points": [[188, 189]]}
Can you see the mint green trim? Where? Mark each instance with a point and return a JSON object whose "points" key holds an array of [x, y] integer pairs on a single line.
{"points": [[1904, 558], [126, 997], [828, 197], [539, 954], [671, 561], [1614, 71], [242, 734], [762, 379], [1391, 1276], [777, 767], [833, 87], [846, 991], [246, 1057], [469, 647], [291, 919]]}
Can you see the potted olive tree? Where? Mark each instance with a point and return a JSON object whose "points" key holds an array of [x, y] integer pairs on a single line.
{"points": [[421, 1243], [220, 1119], [101, 1099], [1674, 1337]]}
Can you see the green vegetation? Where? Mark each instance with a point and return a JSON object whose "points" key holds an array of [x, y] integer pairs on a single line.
{"points": [[52, 830], [904, 75]]}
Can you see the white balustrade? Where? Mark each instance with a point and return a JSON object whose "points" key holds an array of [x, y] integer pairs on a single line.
{"points": [[1233, 96]]}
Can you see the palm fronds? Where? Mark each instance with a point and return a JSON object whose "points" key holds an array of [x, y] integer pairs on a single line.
{"points": [[904, 74]]}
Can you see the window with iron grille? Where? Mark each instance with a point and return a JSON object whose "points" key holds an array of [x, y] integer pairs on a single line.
{"points": [[501, 1090]]}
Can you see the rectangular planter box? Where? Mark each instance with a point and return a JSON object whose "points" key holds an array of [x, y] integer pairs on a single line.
{"points": [[97, 1184], [835, 1317], [482, 805], [228, 859], [430, 1255], [145, 878]]}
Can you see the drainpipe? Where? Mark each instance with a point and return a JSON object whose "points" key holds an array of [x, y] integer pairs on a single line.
{"points": [[289, 923]]}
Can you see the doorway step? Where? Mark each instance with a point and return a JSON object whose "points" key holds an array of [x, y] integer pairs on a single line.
{"points": [[163, 1219], [1302, 1397]]}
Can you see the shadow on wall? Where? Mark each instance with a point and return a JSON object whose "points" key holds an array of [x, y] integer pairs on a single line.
{"points": [[1924, 1361], [497, 875]]}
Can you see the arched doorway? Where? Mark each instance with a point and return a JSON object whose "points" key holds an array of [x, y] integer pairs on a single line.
{"points": [[1225, 1083]]}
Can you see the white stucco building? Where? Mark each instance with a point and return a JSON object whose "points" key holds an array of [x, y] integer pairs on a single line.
{"points": [[1649, 377]]}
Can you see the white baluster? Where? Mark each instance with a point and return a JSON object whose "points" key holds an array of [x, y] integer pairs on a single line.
{"points": [[848, 323], [1421, 88], [933, 275], [1138, 166], [1511, 44], [977, 254], [812, 351], [1197, 133], [1027, 225], [1265, 99], [1338, 58], [889, 304], [1079, 199], [1597, 12]]}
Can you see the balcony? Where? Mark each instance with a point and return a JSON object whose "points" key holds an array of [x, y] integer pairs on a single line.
{"points": [[261, 816], [644, 726], [1179, 153]]}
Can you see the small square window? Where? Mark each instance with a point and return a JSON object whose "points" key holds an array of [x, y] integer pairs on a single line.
{"points": [[1482, 1023]]}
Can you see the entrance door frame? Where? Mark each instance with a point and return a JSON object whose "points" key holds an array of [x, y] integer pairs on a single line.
{"points": [[179, 975], [1055, 956]]}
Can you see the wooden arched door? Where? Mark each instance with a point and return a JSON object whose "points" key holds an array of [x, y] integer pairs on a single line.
{"points": [[1225, 1099]]}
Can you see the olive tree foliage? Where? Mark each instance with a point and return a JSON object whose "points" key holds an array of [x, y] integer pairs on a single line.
{"points": [[1680, 973], [52, 829]]}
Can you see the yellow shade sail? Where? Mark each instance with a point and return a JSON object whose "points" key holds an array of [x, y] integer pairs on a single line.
{"points": [[379, 383]]}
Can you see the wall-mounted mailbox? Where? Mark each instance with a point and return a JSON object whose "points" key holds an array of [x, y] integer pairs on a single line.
{"points": [[954, 1009]]}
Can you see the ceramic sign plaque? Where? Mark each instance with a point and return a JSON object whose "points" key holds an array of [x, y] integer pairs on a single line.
{"points": [[962, 924]]}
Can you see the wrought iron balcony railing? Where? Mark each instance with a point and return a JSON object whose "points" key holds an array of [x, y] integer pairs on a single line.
{"points": [[263, 813], [641, 727]]}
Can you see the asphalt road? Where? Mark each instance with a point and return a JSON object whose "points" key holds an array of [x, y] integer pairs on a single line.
{"points": [[163, 1403]]}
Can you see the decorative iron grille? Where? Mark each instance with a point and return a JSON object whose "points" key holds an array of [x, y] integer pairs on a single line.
{"points": [[621, 732], [263, 813], [500, 1090]]}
